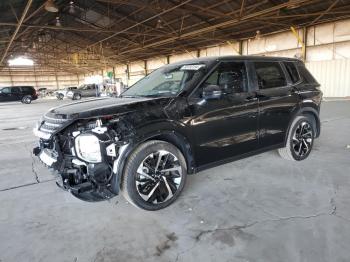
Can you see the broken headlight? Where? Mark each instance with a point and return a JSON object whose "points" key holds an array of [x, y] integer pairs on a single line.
{"points": [[87, 147]]}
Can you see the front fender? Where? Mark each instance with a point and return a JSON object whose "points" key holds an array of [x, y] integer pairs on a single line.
{"points": [[168, 131]]}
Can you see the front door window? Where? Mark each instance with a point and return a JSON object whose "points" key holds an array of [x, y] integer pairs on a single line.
{"points": [[230, 77]]}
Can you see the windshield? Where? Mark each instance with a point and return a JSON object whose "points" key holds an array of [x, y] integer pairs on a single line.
{"points": [[167, 81]]}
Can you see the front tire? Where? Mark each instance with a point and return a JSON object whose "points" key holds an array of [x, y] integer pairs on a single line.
{"points": [[60, 96], [300, 139], [154, 175]]}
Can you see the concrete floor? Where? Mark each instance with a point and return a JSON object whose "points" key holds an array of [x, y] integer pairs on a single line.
{"points": [[262, 208]]}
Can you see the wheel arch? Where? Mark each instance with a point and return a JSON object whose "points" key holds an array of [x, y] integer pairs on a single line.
{"points": [[173, 137], [307, 111], [181, 142]]}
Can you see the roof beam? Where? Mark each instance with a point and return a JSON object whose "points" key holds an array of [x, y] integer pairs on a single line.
{"points": [[208, 22], [207, 29], [36, 11], [29, 3], [63, 28], [242, 9], [325, 12], [142, 22]]}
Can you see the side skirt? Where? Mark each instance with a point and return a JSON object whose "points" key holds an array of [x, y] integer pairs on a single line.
{"points": [[238, 157]]}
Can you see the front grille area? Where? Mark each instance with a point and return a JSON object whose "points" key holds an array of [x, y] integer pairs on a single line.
{"points": [[50, 124]]}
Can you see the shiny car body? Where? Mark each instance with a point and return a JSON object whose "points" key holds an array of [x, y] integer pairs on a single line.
{"points": [[88, 90], [60, 94], [18, 93], [229, 108]]}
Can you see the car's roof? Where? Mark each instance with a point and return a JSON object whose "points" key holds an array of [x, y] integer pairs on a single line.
{"points": [[14, 86], [237, 57]]}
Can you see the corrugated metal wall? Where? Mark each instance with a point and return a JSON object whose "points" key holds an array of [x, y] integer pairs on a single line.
{"points": [[333, 75]]}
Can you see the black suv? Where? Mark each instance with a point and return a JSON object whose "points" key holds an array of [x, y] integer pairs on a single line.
{"points": [[25, 94], [180, 119]]}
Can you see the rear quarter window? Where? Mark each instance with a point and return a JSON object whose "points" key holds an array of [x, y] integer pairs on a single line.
{"points": [[292, 72], [15, 90], [305, 74]]}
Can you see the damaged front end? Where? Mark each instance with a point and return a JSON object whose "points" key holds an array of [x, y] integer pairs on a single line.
{"points": [[84, 153]]}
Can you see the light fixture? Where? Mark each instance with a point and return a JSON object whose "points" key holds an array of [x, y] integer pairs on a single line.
{"points": [[24, 44], [159, 24], [50, 6], [58, 22], [71, 8], [21, 61], [41, 37], [258, 35]]}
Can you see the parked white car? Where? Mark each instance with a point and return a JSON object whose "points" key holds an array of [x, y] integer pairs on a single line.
{"points": [[60, 94]]}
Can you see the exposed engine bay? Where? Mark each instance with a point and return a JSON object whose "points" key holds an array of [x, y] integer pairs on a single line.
{"points": [[84, 154]]}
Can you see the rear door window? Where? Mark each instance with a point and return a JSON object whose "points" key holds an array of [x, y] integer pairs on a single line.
{"points": [[15, 90], [270, 75], [27, 89], [292, 72]]}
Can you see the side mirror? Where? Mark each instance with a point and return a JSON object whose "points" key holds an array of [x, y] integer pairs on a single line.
{"points": [[212, 92]]}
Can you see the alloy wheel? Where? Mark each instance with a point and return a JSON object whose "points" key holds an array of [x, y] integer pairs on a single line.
{"points": [[26, 100], [158, 177], [302, 139]]}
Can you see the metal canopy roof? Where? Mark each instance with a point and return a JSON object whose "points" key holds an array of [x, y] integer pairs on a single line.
{"points": [[98, 33]]}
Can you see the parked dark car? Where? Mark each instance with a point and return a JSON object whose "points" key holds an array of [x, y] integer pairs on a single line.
{"points": [[25, 94], [88, 90], [180, 119]]}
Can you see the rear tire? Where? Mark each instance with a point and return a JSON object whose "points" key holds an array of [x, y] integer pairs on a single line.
{"points": [[60, 96], [300, 139], [154, 175], [26, 99]]}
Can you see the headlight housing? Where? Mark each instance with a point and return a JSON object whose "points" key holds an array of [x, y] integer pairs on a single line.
{"points": [[87, 147]]}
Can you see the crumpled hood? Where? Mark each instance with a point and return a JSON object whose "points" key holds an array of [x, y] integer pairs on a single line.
{"points": [[106, 106]]}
